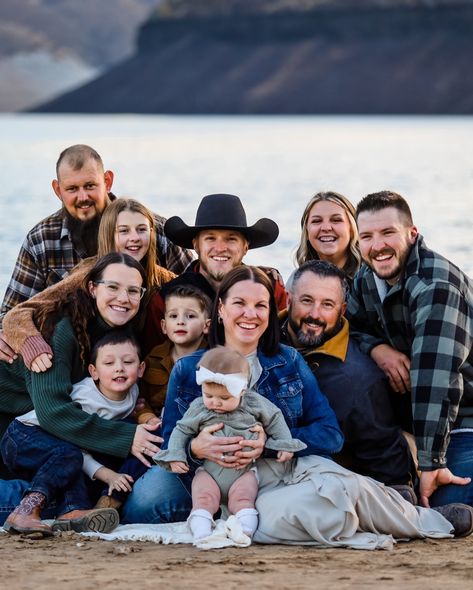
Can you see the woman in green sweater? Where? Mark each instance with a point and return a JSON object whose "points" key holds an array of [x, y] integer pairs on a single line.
{"points": [[126, 226], [109, 297]]}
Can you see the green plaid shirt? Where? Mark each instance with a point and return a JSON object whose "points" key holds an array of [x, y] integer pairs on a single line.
{"points": [[48, 255], [428, 316]]}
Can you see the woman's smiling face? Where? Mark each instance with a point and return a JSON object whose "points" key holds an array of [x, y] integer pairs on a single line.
{"points": [[111, 293], [132, 234], [245, 315], [329, 232]]}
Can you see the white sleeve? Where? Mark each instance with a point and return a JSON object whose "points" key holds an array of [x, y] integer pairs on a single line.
{"points": [[90, 465]]}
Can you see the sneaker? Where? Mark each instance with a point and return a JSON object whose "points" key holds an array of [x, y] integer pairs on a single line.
{"points": [[407, 492], [460, 516], [99, 520]]}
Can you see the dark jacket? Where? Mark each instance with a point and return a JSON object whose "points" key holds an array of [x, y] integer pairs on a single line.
{"points": [[359, 394]]}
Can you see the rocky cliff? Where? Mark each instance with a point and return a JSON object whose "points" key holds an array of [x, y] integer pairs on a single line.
{"points": [[384, 58]]}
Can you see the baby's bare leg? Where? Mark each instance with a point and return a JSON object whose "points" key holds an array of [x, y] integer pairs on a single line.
{"points": [[205, 503], [243, 492], [241, 502], [205, 492]]}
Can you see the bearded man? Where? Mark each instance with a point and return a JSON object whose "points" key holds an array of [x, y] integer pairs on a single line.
{"points": [[413, 313], [59, 242], [356, 389]]}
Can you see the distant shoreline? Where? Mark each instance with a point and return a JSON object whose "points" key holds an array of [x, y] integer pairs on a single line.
{"points": [[327, 61]]}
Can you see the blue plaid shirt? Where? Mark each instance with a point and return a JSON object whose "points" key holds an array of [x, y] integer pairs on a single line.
{"points": [[427, 315]]}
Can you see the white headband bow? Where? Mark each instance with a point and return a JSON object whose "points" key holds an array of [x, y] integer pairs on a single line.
{"points": [[234, 382]]}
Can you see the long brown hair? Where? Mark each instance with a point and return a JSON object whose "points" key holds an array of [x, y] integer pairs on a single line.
{"points": [[80, 306]]}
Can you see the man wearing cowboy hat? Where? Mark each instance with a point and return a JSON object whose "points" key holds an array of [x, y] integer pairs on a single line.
{"points": [[221, 237]]}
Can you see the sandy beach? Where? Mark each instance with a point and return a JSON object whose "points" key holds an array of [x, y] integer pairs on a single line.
{"points": [[73, 562]]}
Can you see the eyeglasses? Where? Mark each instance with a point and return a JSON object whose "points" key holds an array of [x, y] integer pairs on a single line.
{"points": [[133, 293]]}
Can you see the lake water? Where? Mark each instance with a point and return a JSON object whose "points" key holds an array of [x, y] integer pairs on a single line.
{"points": [[275, 164]]}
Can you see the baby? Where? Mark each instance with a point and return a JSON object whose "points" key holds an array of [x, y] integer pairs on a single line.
{"points": [[224, 375]]}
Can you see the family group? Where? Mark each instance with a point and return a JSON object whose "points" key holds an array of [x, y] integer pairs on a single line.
{"points": [[148, 375]]}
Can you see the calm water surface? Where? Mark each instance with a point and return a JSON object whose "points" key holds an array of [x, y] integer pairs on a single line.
{"points": [[275, 164]]}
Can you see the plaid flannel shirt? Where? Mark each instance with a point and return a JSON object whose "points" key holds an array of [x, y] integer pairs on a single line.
{"points": [[428, 316], [48, 255]]}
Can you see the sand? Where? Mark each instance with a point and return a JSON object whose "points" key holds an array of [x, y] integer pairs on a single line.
{"points": [[72, 562]]}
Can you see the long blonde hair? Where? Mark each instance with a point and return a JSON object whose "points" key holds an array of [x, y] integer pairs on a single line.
{"points": [[306, 252], [155, 275]]}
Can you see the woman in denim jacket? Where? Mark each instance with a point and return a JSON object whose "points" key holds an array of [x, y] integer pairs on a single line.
{"points": [[285, 380], [309, 500], [244, 318]]}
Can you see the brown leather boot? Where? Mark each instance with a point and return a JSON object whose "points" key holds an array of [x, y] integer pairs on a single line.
{"points": [[26, 518], [99, 520], [108, 502]]}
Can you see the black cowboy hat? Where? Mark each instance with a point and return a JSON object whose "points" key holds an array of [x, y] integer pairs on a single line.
{"points": [[221, 212]]}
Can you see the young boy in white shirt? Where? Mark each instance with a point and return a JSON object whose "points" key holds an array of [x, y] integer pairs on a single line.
{"points": [[54, 466]]}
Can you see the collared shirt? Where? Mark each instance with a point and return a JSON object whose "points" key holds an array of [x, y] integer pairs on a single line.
{"points": [[48, 255], [427, 315], [336, 346], [154, 383]]}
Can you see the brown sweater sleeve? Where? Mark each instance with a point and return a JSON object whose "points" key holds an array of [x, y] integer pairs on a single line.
{"points": [[19, 329], [164, 275]]}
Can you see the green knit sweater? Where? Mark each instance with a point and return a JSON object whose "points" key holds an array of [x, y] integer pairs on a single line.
{"points": [[49, 394]]}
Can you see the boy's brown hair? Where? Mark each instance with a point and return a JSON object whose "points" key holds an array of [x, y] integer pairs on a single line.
{"points": [[182, 291]]}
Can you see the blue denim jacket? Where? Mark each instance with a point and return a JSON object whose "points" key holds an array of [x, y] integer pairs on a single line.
{"points": [[286, 380]]}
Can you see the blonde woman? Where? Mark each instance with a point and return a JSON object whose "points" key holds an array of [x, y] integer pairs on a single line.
{"points": [[329, 233]]}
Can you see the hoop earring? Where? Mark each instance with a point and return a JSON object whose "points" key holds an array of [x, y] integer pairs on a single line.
{"points": [[219, 319]]}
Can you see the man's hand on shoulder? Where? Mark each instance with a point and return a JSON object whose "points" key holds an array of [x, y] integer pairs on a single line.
{"points": [[273, 273]]}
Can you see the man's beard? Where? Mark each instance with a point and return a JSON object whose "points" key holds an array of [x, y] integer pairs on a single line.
{"points": [[215, 276], [305, 339], [396, 272], [84, 234]]}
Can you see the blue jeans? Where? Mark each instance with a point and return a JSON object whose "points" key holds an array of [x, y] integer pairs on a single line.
{"points": [[159, 496], [52, 466], [460, 462]]}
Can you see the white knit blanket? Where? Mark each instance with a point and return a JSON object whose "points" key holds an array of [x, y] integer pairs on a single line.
{"points": [[227, 533]]}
